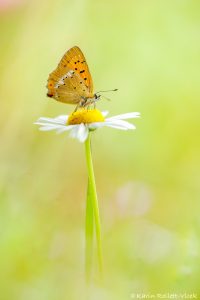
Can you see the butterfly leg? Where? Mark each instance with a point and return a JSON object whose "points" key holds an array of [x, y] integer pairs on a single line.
{"points": [[76, 108], [80, 104]]}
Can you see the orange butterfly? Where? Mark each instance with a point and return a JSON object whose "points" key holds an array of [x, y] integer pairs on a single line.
{"points": [[71, 81]]}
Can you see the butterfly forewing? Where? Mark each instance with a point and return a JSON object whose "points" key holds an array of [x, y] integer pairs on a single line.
{"points": [[71, 80], [76, 61]]}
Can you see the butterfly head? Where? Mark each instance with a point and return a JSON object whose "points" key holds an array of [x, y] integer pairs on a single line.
{"points": [[97, 97], [87, 101]]}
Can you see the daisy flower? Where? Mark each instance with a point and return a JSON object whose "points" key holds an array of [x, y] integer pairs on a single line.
{"points": [[81, 122]]}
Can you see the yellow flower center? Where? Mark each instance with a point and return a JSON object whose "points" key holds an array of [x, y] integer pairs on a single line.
{"points": [[85, 116]]}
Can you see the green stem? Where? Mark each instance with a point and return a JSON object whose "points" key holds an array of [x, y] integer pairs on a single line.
{"points": [[89, 224], [94, 200]]}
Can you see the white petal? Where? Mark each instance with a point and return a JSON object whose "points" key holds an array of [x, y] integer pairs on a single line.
{"points": [[50, 127], [125, 116], [121, 123], [43, 123], [96, 125], [80, 132], [65, 128], [105, 113], [118, 124], [73, 132], [58, 120], [62, 118]]}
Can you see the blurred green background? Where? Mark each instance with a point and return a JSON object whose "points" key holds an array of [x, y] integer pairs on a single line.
{"points": [[147, 180]]}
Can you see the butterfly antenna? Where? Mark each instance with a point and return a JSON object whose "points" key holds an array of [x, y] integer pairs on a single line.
{"points": [[107, 91]]}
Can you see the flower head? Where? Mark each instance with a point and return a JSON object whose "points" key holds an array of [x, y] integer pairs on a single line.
{"points": [[85, 116], [85, 120]]}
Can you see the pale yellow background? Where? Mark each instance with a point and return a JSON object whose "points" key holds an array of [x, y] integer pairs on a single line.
{"points": [[147, 180]]}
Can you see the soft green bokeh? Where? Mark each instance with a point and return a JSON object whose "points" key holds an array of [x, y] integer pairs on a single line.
{"points": [[147, 180]]}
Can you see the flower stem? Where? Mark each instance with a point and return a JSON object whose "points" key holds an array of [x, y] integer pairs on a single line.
{"points": [[89, 230], [94, 200]]}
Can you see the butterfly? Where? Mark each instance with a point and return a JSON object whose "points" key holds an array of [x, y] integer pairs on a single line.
{"points": [[71, 81]]}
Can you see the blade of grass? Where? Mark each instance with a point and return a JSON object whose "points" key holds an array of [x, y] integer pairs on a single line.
{"points": [[94, 200]]}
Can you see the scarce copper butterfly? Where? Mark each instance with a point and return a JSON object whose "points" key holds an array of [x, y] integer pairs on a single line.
{"points": [[71, 81]]}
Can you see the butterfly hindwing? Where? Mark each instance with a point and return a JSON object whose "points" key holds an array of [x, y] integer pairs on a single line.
{"points": [[70, 88]]}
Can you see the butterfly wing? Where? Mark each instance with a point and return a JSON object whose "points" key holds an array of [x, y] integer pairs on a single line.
{"points": [[71, 80]]}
